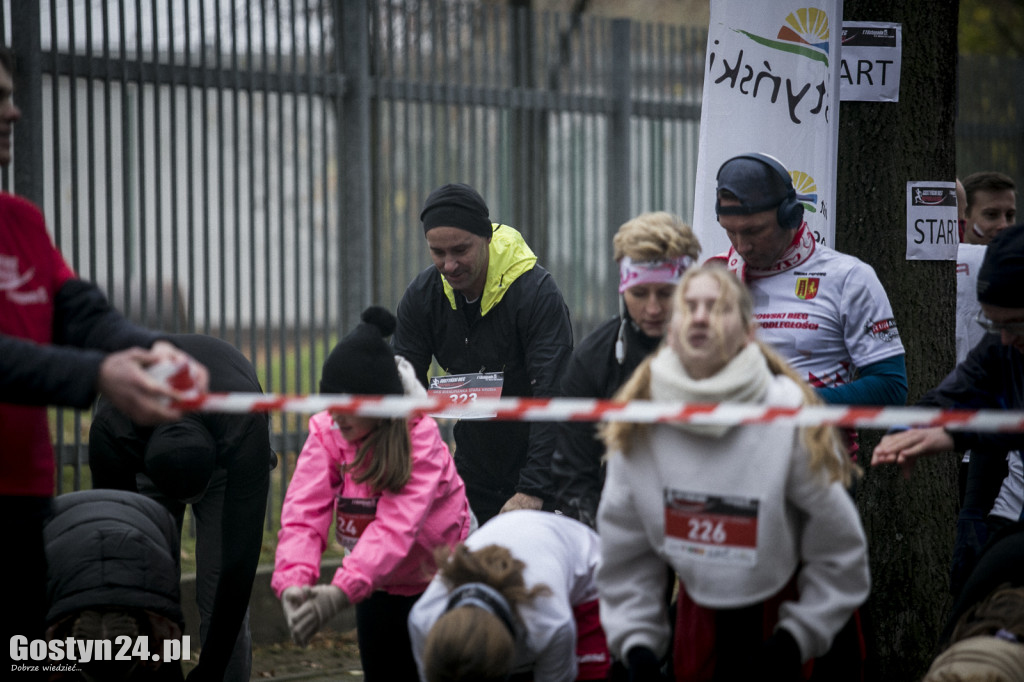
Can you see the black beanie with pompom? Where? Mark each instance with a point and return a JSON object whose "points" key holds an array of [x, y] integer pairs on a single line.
{"points": [[362, 363]]}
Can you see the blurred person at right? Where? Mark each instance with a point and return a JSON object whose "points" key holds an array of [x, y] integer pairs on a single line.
{"points": [[988, 642], [990, 207]]}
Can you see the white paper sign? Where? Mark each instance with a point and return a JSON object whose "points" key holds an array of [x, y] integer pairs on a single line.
{"points": [[872, 59], [771, 84], [932, 232]]}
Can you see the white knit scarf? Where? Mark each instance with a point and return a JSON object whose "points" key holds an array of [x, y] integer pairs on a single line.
{"points": [[744, 379]]}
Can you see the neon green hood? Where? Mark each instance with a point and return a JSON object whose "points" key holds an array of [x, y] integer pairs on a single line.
{"points": [[509, 256]]}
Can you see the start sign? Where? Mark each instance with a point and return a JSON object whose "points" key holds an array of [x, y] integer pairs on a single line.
{"points": [[872, 58], [932, 230]]}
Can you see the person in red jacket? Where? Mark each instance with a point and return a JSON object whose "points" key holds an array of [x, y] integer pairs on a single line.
{"points": [[61, 343], [392, 489]]}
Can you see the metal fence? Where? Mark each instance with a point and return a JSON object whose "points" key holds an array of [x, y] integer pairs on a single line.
{"points": [[990, 117], [254, 169]]}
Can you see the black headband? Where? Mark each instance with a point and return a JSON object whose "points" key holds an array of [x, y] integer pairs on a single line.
{"points": [[484, 597]]}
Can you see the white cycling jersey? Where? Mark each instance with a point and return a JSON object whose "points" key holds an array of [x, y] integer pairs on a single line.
{"points": [[826, 313]]}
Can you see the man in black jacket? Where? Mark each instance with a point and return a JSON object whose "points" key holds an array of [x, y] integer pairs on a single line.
{"points": [[218, 463], [486, 309], [990, 377]]}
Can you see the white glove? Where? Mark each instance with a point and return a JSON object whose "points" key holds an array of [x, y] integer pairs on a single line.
{"points": [[410, 382], [322, 602], [291, 599]]}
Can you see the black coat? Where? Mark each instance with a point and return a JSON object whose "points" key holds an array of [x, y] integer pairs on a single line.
{"points": [[112, 548], [593, 372], [528, 336], [991, 377]]}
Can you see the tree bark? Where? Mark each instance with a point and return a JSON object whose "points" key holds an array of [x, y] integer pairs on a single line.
{"points": [[910, 523]]}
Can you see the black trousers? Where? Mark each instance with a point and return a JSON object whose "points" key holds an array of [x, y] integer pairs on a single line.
{"points": [[209, 540], [383, 634], [24, 573]]}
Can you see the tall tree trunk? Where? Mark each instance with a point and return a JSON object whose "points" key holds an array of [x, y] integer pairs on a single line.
{"points": [[910, 523]]}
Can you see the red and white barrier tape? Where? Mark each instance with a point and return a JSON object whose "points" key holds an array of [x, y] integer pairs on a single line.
{"points": [[640, 411]]}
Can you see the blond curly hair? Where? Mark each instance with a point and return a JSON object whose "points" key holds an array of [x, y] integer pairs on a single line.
{"points": [[654, 236]]}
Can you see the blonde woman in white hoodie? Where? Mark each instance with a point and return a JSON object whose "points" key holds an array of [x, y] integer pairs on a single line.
{"points": [[754, 519]]}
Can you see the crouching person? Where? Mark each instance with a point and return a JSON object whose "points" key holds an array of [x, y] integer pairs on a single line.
{"points": [[392, 489], [516, 601], [113, 576], [220, 465]]}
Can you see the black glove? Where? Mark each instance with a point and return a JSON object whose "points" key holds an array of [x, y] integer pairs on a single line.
{"points": [[780, 657], [643, 665]]}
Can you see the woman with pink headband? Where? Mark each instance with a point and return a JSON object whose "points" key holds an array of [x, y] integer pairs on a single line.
{"points": [[652, 250]]}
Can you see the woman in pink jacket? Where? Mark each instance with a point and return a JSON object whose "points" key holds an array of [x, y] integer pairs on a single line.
{"points": [[391, 487]]}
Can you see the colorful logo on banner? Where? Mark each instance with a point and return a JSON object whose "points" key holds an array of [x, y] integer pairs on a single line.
{"points": [[806, 192], [805, 32]]}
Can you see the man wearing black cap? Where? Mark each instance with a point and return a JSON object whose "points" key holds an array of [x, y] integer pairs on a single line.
{"points": [[991, 377], [218, 463], [992, 374], [486, 306], [825, 312]]}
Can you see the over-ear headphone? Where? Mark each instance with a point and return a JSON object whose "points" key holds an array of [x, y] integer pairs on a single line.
{"points": [[790, 212]]}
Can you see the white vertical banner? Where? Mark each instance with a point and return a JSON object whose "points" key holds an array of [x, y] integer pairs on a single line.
{"points": [[771, 84]]}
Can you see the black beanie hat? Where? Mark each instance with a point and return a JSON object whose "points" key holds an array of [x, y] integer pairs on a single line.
{"points": [[362, 363], [456, 205], [1001, 277]]}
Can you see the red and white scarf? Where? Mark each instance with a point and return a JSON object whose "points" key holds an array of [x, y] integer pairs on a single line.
{"points": [[799, 250]]}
